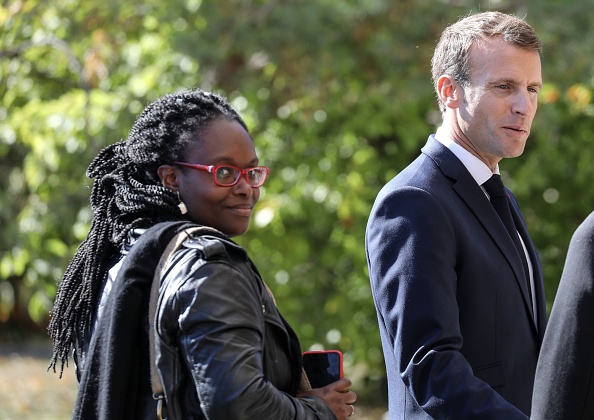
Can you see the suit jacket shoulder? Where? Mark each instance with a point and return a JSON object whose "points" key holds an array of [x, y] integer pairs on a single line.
{"points": [[564, 384]]}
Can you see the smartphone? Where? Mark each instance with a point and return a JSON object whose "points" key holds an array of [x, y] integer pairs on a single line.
{"points": [[322, 367]]}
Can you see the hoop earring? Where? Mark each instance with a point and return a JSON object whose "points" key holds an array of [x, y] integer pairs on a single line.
{"points": [[182, 206]]}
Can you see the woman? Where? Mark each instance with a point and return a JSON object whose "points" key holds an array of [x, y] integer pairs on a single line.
{"points": [[223, 350]]}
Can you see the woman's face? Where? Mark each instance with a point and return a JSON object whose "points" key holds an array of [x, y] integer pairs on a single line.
{"points": [[227, 209]]}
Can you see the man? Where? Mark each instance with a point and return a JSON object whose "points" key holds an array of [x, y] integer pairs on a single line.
{"points": [[564, 384], [460, 301]]}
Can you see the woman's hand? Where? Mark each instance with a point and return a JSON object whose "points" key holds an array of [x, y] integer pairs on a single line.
{"points": [[337, 396]]}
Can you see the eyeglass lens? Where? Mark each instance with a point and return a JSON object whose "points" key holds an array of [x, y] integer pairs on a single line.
{"points": [[227, 175]]}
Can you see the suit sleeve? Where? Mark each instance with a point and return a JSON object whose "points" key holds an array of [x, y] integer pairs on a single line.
{"points": [[412, 256], [564, 384]]}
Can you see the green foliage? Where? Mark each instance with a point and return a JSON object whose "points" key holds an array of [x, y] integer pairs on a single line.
{"points": [[338, 97]]}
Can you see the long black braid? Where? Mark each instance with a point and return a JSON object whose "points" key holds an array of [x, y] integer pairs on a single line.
{"points": [[127, 194]]}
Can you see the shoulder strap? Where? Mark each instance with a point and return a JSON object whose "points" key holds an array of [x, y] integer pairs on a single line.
{"points": [[173, 245]]}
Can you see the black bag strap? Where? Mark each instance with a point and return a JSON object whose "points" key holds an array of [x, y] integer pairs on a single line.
{"points": [[173, 245]]}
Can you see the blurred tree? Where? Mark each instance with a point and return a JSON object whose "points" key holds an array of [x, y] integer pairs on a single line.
{"points": [[338, 97]]}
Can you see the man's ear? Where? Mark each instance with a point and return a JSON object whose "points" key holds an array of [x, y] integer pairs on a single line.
{"points": [[449, 91], [169, 176]]}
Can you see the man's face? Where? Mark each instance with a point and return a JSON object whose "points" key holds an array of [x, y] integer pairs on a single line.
{"points": [[499, 104]]}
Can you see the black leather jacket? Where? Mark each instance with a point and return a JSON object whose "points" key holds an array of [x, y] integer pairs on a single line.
{"points": [[224, 351], [222, 348]]}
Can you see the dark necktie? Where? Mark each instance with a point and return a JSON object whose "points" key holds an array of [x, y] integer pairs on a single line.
{"points": [[500, 202]]}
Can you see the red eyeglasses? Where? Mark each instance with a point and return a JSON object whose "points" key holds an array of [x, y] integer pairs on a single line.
{"points": [[229, 175]]}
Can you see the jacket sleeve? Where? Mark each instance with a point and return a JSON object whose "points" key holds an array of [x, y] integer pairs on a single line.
{"points": [[221, 333], [412, 258]]}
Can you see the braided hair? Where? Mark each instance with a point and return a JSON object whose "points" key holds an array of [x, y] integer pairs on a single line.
{"points": [[127, 194]]}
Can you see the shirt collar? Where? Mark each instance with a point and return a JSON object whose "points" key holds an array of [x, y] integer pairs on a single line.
{"points": [[477, 168]]}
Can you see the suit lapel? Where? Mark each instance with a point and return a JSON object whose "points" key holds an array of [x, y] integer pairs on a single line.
{"points": [[471, 193]]}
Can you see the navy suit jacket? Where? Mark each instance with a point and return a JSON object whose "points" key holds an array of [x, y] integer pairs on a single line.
{"points": [[454, 311]]}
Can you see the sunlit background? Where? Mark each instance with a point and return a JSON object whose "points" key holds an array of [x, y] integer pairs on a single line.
{"points": [[338, 97]]}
